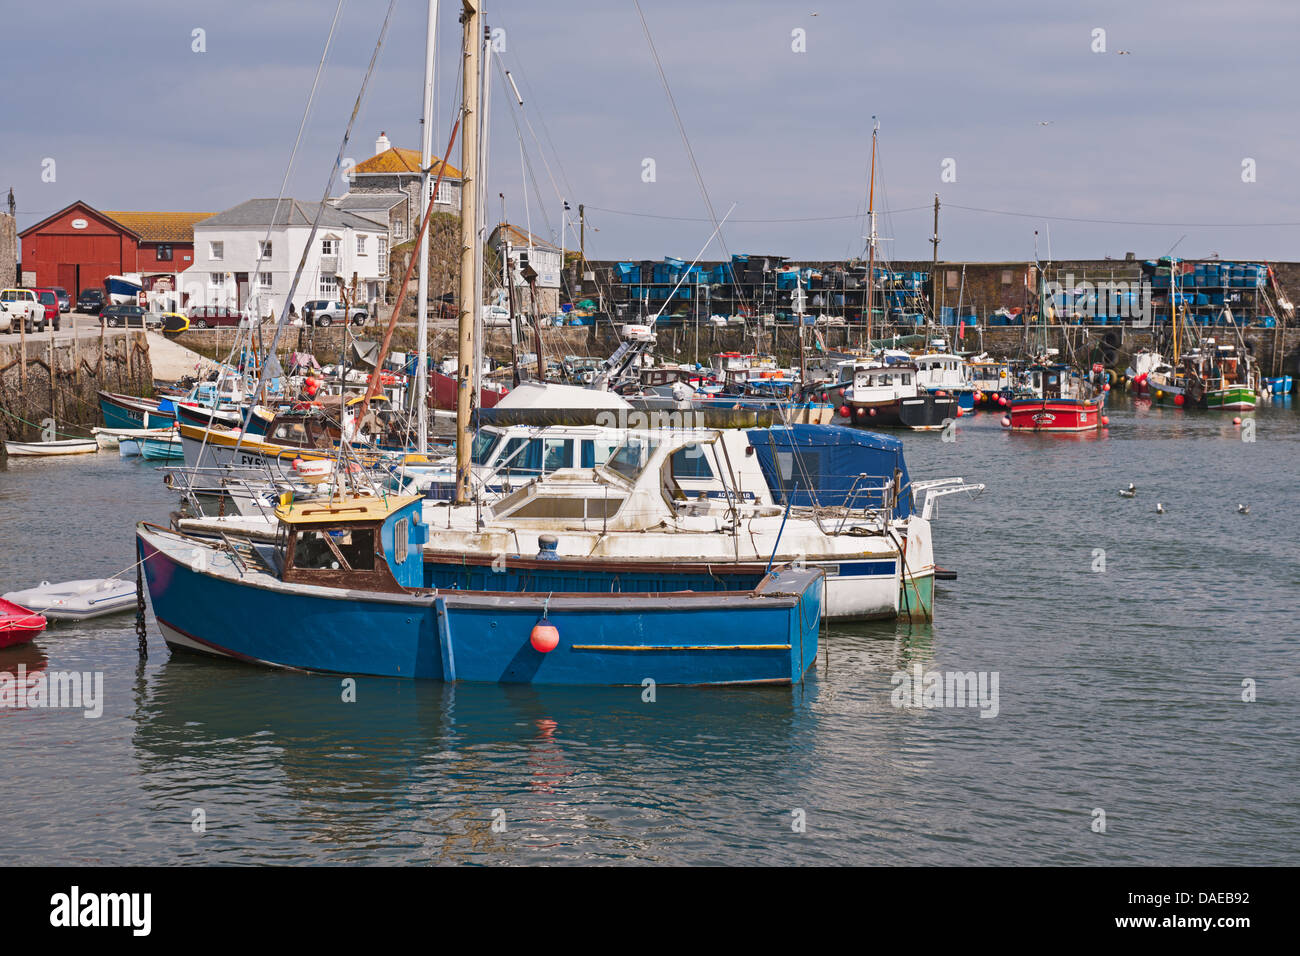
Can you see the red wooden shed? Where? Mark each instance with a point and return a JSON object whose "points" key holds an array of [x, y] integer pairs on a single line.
{"points": [[79, 245]]}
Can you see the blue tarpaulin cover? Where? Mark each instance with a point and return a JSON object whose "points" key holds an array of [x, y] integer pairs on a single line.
{"points": [[822, 465]]}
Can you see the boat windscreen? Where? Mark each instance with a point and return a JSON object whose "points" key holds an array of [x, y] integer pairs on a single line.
{"points": [[484, 442], [632, 456]]}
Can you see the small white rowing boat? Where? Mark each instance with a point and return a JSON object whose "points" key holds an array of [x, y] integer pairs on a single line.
{"points": [[112, 437], [77, 600], [69, 446]]}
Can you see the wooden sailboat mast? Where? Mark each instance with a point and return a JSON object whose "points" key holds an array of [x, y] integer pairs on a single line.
{"points": [[469, 248]]}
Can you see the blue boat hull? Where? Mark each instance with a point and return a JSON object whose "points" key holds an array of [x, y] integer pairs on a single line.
{"points": [[763, 636], [119, 414]]}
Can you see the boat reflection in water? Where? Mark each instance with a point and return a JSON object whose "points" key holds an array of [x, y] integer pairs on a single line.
{"points": [[420, 770]]}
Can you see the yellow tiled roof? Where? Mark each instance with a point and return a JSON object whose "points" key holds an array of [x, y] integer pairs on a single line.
{"points": [[159, 226], [398, 160]]}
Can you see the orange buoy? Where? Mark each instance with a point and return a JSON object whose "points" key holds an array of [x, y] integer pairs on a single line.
{"points": [[545, 636], [960, 411], [1178, 399], [844, 411], [1006, 421], [1236, 421], [1105, 421]]}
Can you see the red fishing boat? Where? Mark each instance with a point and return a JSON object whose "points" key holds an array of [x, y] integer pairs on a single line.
{"points": [[17, 624], [1063, 401]]}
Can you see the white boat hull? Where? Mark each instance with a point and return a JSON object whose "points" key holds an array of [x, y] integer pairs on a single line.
{"points": [[45, 449]]}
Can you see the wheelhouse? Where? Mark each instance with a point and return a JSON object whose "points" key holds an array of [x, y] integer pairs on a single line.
{"points": [[355, 542]]}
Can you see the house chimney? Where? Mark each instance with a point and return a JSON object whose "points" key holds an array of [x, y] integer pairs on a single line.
{"points": [[382, 145]]}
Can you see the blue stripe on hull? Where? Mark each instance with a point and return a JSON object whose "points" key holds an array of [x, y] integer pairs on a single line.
{"points": [[400, 636]]}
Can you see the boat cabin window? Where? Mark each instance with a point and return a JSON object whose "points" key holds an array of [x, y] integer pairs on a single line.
{"points": [[596, 452], [484, 442], [691, 462], [335, 549], [905, 379], [535, 456], [294, 433], [401, 540], [632, 456]]}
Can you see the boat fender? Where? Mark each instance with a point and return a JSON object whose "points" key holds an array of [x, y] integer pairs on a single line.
{"points": [[545, 636]]}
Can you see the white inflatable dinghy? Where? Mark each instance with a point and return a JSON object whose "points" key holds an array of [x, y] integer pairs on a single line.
{"points": [[77, 600]]}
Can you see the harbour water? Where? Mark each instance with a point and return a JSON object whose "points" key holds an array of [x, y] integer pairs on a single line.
{"points": [[1120, 639]]}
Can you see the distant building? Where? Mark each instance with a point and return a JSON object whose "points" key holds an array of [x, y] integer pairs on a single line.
{"points": [[396, 171], [228, 246], [545, 258], [79, 245]]}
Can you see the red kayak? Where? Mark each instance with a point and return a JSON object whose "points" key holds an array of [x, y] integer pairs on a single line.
{"points": [[17, 624]]}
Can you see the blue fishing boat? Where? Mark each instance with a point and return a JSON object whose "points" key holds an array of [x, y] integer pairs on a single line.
{"points": [[342, 590], [127, 411]]}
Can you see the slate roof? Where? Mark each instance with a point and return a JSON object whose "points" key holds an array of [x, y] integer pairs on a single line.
{"points": [[292, 212]]}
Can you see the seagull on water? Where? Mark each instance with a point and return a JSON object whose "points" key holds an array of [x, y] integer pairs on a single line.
{"points": [[1129, 492], [1243, 509], [1160, 509]]}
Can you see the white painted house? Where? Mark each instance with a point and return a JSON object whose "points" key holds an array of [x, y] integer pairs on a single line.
{"points": [[227, 248]]}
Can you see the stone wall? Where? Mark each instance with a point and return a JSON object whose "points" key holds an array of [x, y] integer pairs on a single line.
{"points": [[30, 395]]}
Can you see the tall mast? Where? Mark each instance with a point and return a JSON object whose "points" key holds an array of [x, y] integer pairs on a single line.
{"points": [[469, 251], [871, 239], [934, 268], [1173, 310], [421, 395]]}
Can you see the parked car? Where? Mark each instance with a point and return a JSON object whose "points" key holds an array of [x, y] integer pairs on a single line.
{"points": [[325, 312], [23, 309], [65, 302], [129, 316], [90, 301], [50, 299], [212, 316]]}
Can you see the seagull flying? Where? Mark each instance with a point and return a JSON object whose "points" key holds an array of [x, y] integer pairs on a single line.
{"points": [[1123, 52], [1045, 122], [1129, 492]]}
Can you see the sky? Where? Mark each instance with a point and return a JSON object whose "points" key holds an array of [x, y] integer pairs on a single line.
{"points": [[1019, 115]]}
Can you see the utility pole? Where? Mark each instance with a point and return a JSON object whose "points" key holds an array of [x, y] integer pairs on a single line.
{"points": [[471, 44]]}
